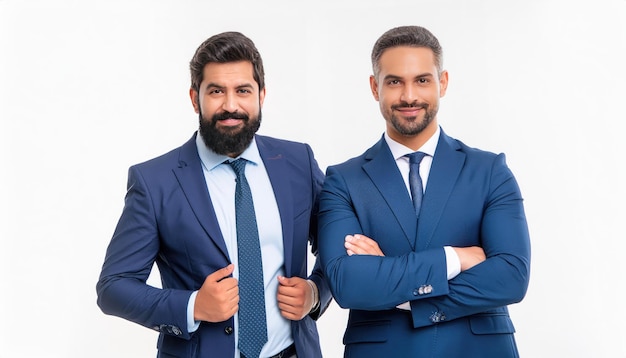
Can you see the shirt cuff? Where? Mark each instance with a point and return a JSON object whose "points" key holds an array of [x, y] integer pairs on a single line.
{"points": [[316, 296], [453, 265], [192, 325], [452, 262]]}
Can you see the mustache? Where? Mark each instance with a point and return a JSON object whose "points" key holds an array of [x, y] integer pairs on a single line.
{"points": [[227, 115], [415, 104]]}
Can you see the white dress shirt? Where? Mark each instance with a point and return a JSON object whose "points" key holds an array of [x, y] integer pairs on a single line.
{"points": [[220, 179], [399, 151]]}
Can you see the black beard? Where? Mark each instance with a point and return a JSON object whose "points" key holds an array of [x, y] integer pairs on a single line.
{"points": [[228, 141], [414, 126]]}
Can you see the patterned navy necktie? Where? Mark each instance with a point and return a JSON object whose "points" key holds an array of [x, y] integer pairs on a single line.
{"points": [[415, 181], [252, 321]]}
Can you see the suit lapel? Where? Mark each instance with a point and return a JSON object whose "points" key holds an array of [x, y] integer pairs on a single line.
{"points": [[276, 167], [383, 171], [446, 167], [191, 179]]}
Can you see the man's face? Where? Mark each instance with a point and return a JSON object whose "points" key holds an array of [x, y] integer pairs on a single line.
{"points": [[408, 88], [229, 106]]}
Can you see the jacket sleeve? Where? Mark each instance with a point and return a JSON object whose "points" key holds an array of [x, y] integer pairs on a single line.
{"points": [[375, 283], [367, 282], [122, 289], [317, 275], [503, 278]]}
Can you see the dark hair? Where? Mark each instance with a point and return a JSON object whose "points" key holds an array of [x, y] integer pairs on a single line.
{"points": [[223, 48], [412, 36]]}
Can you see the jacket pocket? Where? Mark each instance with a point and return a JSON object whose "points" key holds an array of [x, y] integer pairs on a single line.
{"points": [[373, 332], [491, 324], [171, 347]]}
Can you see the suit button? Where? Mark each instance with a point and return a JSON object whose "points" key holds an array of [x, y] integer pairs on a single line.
{"points": [[228, 330], [437, 317], [416, 292]]}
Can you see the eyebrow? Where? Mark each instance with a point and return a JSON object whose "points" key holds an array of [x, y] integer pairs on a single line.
{"points": [[395, 77], [216, 85]]}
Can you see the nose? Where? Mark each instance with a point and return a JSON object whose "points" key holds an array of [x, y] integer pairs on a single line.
{"points": [[409, 94], [230, 103]]}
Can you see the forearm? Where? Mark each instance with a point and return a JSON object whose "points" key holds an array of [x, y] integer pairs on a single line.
{"points": [[148, 306], [499, 281], [373, 283]]}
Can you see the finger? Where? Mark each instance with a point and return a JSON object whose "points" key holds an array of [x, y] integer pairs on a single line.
{"points": [[293, 313], [288, 308], [230, 285], [364, 241], [290, 281], [288, 315], [285, 281], [357, 248], [222, 273], [287, 291], [284, 300]]}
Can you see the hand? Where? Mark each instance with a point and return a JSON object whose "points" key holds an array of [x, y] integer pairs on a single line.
{"points": [[361, 245], [295, 297], [218, 298], [470, 256]]}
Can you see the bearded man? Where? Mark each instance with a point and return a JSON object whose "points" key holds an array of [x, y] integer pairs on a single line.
{"points": [[228, 218]]}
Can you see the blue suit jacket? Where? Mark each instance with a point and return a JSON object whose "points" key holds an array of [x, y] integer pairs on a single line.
{"points": [[471, 199], [168, 218]]}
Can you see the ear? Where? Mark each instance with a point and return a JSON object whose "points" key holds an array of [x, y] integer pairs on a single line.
{"points": [[261, 97], [374, 87], [443, 83], [193, 95]]}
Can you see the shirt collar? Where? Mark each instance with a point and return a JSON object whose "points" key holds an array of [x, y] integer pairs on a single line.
{"points": [[210, 159], [399, 150]]}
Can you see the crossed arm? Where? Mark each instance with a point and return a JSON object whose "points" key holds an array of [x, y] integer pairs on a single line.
{"points": [[363, 277], [363, 245]]}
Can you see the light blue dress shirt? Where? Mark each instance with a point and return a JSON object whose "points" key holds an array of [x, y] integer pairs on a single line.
{"points": [[220, 179]]}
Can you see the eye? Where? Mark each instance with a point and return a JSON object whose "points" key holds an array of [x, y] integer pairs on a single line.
{"points": [[244, 91], [216, 91], [423, 80], [393, 82]]}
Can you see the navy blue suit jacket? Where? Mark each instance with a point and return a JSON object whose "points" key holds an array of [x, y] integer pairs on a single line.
{"points": [[471, 199], [168, 218]]}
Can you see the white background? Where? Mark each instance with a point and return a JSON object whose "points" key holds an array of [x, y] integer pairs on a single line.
{"points": [[88, 88]]}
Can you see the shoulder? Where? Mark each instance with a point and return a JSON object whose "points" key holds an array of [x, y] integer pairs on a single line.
{"points": [[174, 158], [378, 151], [271, 147], [472, 153], [474, 160], [274, 142]]}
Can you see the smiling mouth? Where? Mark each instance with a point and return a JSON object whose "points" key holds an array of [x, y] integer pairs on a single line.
{"points": [[410, 111], [230, 121]]}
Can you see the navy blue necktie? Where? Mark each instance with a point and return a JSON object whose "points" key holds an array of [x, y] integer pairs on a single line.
{"points": [[415, 181], [252, 322]]}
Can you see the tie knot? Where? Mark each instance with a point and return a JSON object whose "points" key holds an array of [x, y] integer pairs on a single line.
{"points": [[239, 166], [416, 157]]}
